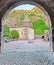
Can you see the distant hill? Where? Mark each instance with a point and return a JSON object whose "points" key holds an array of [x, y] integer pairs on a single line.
{"points": [[16, 17]]}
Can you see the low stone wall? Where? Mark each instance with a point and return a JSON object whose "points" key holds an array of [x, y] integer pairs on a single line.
{"points": [[25, 33], [38, 36], [21, 32]]}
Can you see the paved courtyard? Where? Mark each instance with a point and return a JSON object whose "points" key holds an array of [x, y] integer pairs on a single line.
{"points": [[27, 58], [24, 53], [24, 45]]}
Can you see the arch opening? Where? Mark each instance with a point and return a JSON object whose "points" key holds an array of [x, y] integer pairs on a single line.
{"points": [[30, 41]]}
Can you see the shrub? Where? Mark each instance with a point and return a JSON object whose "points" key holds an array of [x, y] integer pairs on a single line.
{"points": [[14, 34]]}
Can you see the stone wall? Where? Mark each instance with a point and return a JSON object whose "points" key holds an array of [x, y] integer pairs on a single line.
{"points": [[21, 32], [25, 33]]}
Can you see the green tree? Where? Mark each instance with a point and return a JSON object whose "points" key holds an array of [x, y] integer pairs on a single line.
{"points": [[6, 30], [7, 33], [39, 26], [14, 34]]}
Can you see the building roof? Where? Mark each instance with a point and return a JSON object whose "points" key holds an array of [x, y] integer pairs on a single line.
{"points": [[26, 22]]}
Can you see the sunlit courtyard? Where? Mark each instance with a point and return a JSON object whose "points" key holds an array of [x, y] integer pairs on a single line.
{"points": [[24, 45]]}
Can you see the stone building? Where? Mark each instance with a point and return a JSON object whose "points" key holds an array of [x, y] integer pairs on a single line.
{"points": [[25, 30]]}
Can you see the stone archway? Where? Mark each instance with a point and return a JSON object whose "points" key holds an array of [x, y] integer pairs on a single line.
{"points": [[13, 3]]}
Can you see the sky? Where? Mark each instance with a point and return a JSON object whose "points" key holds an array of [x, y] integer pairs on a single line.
{"points": [[24, 7]]}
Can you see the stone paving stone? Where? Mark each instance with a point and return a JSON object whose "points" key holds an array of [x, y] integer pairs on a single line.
{"points": [[27, 58]]}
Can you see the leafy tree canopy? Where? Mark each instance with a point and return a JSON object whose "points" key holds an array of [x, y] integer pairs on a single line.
{"points": [[6, 30], [39, 26]]}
